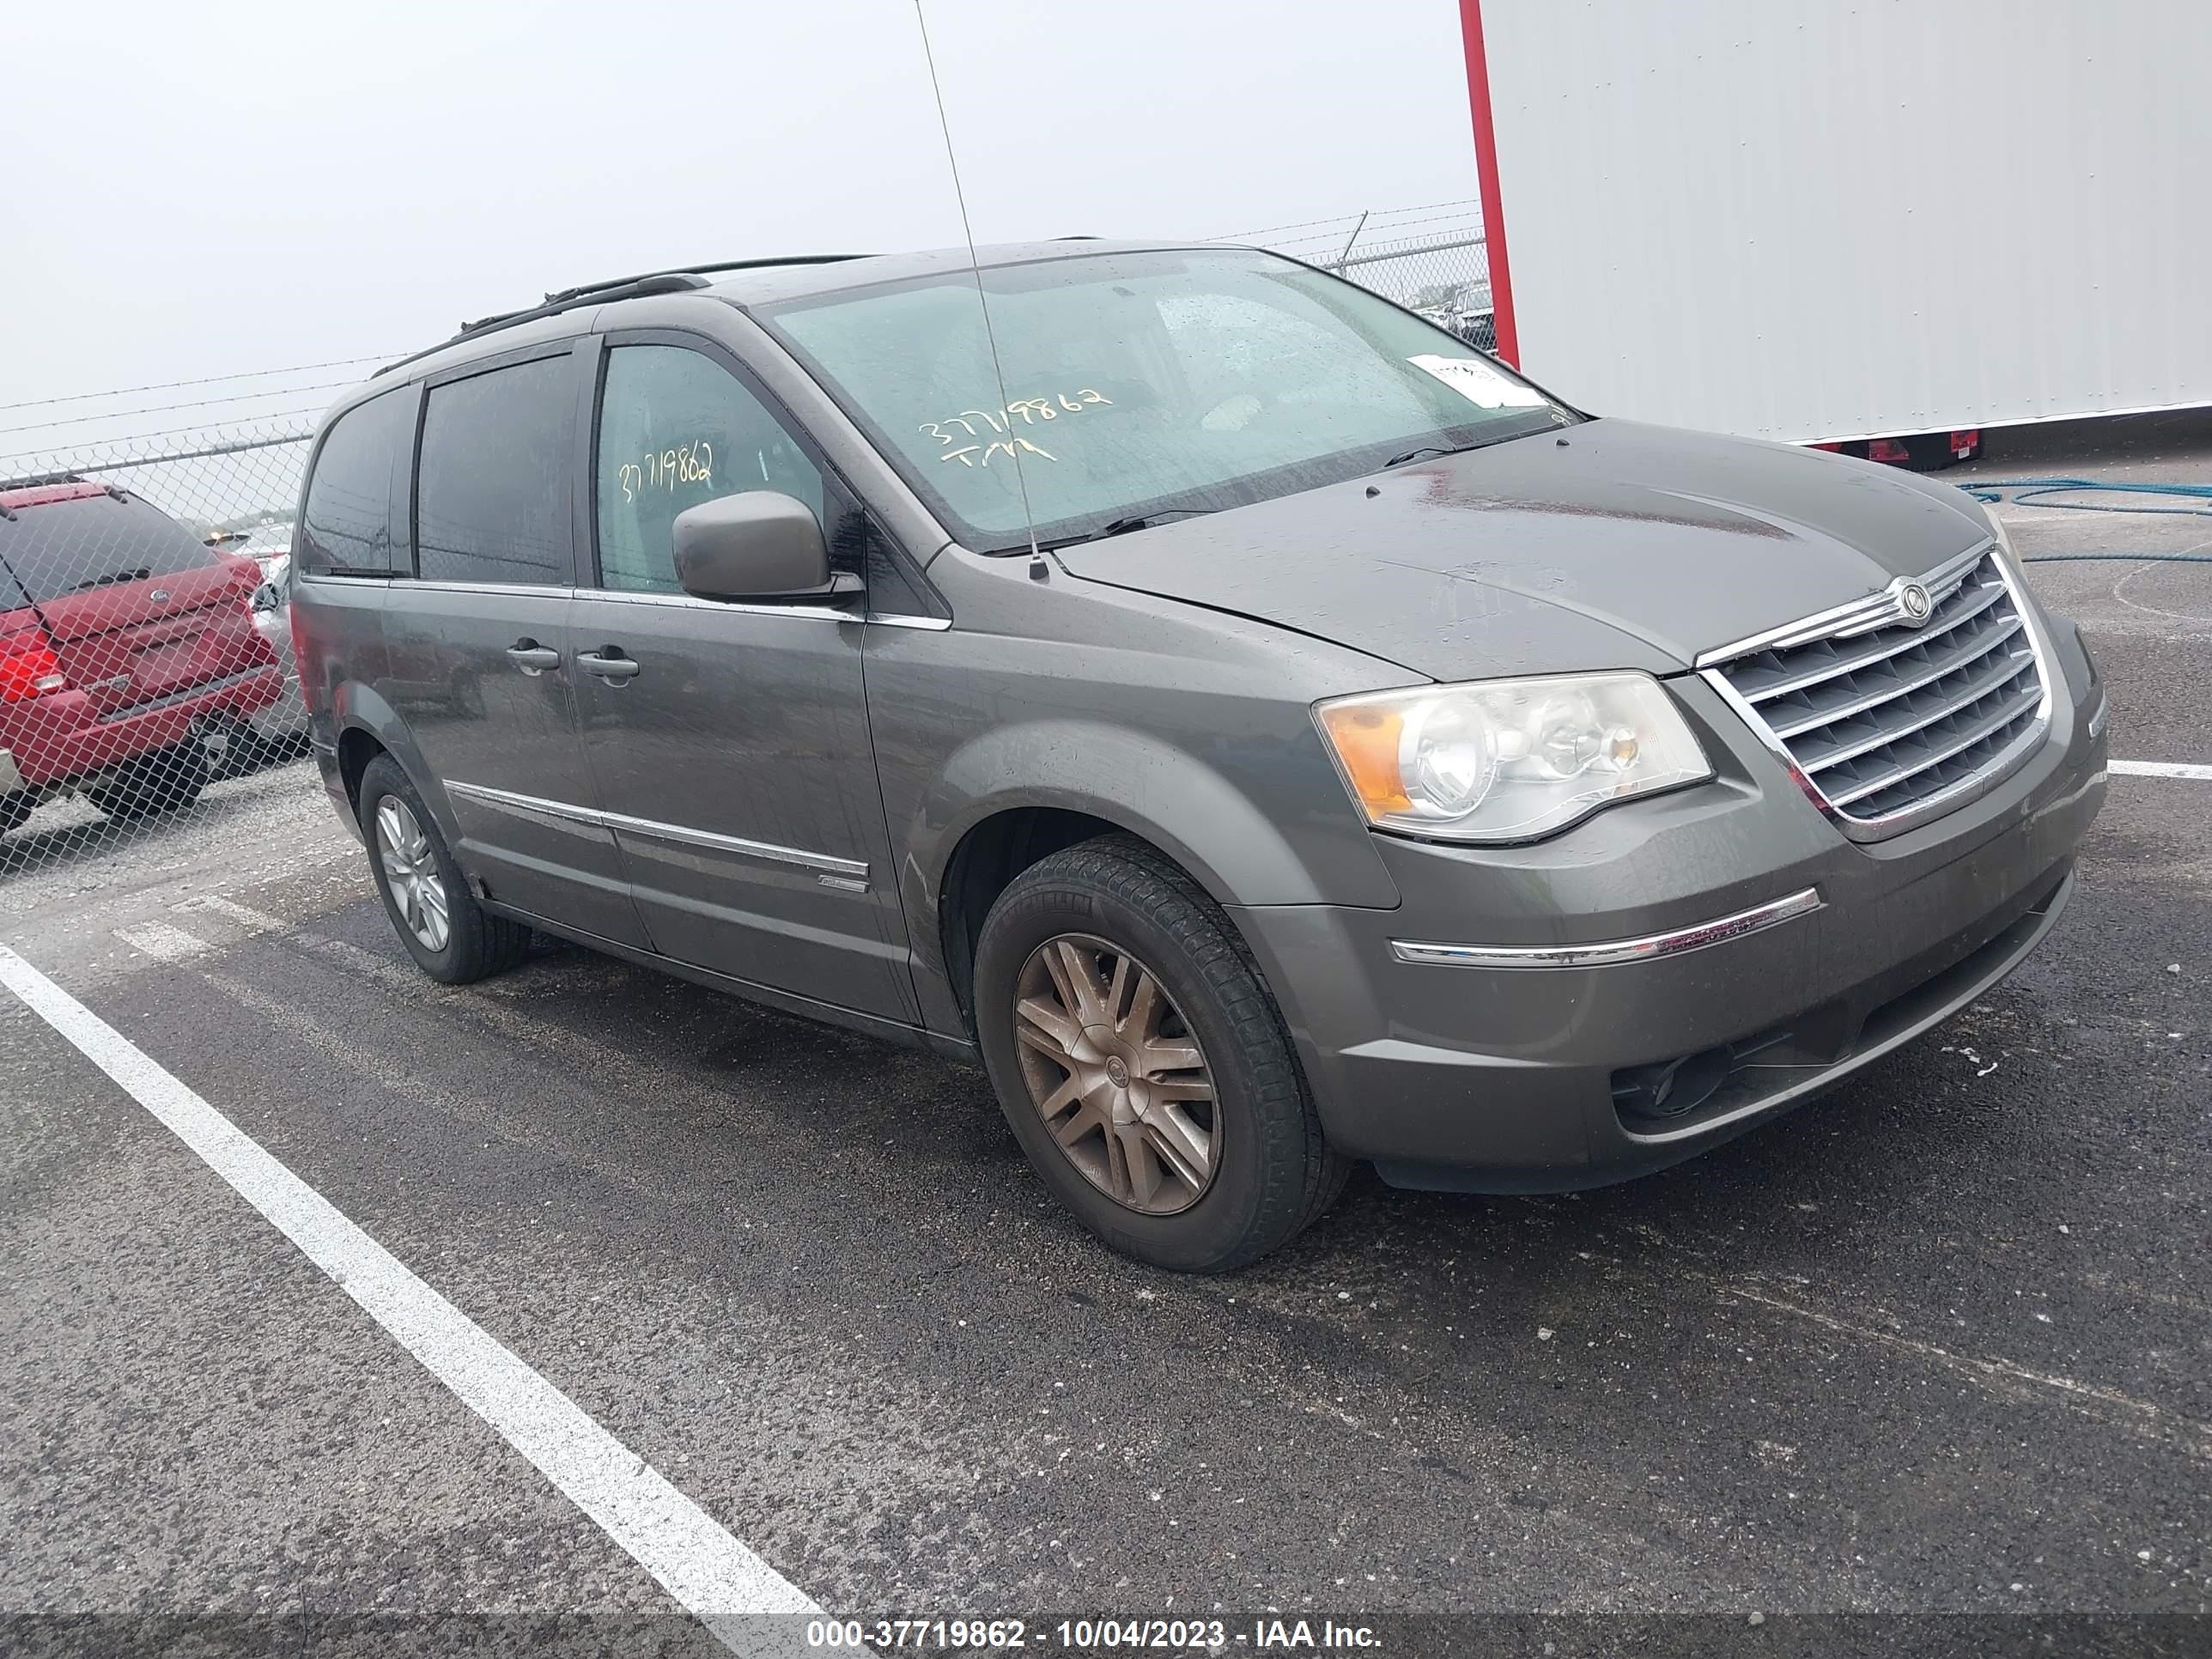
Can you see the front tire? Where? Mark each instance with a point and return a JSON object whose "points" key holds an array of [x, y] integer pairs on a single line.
{"points": [[452, 939], [1143, 1065]]}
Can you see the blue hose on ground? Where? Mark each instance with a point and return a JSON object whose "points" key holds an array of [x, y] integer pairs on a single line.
{"points": [[2119, 558], [1992, 490]]}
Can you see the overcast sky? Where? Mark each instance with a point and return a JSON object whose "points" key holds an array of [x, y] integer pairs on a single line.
{"points": [[204, 188]]}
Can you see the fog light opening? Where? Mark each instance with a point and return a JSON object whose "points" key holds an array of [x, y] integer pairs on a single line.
{"points": [[1669, 1088], [1672, 1088]]}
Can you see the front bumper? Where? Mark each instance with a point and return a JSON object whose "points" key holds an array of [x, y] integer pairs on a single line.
{"points": [[1487, 1073]]}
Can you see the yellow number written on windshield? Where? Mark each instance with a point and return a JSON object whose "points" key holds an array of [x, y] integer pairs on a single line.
{"points": [[1000, 425]]}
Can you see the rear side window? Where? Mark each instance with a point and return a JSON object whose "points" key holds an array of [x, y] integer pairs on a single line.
{"points": [[491, 501], [61, 548], [346, 526], [677, 428]]}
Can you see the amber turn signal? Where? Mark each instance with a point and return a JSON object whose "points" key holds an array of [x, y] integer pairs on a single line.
{"points": [[1367, 742]]}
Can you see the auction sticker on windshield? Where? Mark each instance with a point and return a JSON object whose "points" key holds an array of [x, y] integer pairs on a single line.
{"points": [[1477, 382]]}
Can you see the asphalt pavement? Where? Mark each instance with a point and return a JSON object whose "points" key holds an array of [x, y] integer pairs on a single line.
{"points": [[1938, 1344]]}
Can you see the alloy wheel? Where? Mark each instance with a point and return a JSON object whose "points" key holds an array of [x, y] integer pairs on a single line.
{"points": [[411, 868], [1116, 1074]]}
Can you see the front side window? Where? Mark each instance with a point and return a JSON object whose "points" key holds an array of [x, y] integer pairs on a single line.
{"points": [[675, 429], [1140, 383], [347, 527], [492, 501]]}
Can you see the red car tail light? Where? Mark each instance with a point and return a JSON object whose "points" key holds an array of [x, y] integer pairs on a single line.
{"points": [[29, 667]]}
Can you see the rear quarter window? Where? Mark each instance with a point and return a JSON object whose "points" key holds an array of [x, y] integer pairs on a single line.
{"points": [[346, 526], [61, 548]]}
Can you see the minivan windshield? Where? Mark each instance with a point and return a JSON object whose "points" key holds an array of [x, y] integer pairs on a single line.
{"points": [[1141, 386]]}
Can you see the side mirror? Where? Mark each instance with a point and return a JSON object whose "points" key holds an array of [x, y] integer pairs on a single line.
{"points": [[759, 545]]}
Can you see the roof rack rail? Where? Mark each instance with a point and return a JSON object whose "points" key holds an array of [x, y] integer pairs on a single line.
{"points": [[675, 279], [634, 288], [567, 294]]}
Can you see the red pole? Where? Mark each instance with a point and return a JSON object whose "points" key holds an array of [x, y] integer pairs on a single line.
{"points": [[1485, 167]]}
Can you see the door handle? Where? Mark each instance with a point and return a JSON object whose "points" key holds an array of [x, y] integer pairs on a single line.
{"points": [[608, 663], [532, 657]]}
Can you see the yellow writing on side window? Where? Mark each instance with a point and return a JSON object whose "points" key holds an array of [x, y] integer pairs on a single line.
{"points": [[685, 463], [1000, 422]]}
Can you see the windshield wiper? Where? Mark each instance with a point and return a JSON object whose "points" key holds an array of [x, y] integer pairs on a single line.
{"points": [[1121, 527], [1462, 449], [1427, 449], [1146, 520]]}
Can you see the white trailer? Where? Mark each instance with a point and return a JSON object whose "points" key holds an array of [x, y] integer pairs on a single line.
{"points": [[1836, 219]]}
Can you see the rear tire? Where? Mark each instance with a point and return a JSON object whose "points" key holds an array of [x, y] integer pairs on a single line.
{"points": [[16, 810], [228, 743], [452, 939], [167, 781], [1267, 1171]]}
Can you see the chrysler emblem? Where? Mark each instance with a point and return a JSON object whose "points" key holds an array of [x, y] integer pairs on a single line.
{"points": [[160, 596], [1912, 600]]}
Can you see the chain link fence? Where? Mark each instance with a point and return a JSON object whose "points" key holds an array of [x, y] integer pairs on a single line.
{"points": [[1430, 259], [145, 543]]}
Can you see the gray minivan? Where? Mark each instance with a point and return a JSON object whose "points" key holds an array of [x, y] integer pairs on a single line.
{"points": [[1261, 731]]}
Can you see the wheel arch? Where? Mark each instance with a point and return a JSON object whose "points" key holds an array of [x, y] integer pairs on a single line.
{"points": [[368, 726], [993, 852], [356, 749], [1018, 794]]}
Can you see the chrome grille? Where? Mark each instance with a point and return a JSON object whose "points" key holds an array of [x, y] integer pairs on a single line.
{"points": [[1889, 723]]}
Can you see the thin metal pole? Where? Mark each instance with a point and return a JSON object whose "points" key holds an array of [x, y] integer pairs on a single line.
{"points": [[1354, 237]]}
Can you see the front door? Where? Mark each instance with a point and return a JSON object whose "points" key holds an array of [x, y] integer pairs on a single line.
{"points": [[729, 743], [477, 644]]}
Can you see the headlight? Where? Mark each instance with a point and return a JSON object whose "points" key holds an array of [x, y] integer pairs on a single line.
{"points": [[1508, 760]]}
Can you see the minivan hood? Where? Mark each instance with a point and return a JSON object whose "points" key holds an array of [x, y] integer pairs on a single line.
{"points": [[1609, 545]]}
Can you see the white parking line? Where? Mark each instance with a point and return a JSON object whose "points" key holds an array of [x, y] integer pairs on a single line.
{"points": [[732, 1590], [162, 942], [2159, 770], [258, 921]]}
